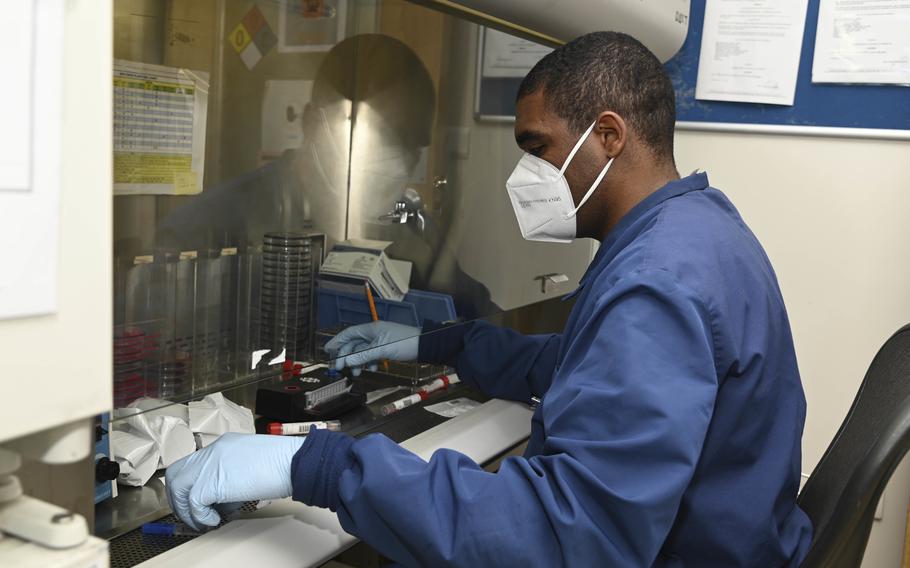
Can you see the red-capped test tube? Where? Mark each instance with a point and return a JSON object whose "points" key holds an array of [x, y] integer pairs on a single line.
{"points": [[421, 394], [302, 428]]}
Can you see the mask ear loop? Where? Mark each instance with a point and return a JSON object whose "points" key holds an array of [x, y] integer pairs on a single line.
{"points": [[599, 179], [588, 195], [578, 144]]}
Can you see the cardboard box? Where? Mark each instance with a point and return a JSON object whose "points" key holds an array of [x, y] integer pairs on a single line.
{"points": [[353, 262]]}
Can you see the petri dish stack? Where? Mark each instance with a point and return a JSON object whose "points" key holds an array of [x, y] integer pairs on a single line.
{"points": [[131, 347], [172, 379], [289, 264]]}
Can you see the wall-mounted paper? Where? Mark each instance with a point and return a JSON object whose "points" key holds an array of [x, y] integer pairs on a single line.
{"points": [[508, 56], [750, 51], [16, 51], [159, 129], [862, 41], [30, 219]]}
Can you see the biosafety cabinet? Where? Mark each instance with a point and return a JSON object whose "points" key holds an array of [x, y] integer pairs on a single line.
{"points": [[236, 122], [251, 139], [217, 153]]}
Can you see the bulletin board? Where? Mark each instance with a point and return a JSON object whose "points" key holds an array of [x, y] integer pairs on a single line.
{"points": [[821, 108], [881, 111]]}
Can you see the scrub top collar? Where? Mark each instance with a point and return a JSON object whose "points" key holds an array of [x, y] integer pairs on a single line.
{"points": [[694, 182]]}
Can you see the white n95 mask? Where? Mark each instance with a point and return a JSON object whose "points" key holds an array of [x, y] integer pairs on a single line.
{"points": [[541, 198]]}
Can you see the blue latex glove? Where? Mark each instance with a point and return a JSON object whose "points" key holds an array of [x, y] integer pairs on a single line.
{"points": [[365, 344], [236, 468]]}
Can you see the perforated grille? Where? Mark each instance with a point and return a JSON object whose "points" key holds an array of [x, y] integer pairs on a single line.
{"points": [[135, 548]]}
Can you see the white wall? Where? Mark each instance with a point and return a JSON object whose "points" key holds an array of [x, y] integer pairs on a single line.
{"points": [[57, 368], [834, 217]]}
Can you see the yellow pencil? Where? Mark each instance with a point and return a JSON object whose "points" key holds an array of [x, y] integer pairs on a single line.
{"points": [[375, 315], [372, 303]]}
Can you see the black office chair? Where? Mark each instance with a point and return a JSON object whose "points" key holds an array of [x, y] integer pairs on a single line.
{"points": [[842, 493]]}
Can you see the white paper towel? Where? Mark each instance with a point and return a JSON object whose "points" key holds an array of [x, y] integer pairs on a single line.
{"points": [[171, 434], [138, 457], [151, 434], [215, 415]]}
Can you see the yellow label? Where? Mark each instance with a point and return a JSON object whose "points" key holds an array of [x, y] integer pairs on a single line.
{"points": [[125, 83], [139, 167], [239, 38], [185, 183]]}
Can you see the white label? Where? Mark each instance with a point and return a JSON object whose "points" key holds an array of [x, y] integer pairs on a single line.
{"points": [[453, 408]]}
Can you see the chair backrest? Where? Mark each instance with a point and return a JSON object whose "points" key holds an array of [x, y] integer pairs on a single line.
{"points": [[842, 493]]}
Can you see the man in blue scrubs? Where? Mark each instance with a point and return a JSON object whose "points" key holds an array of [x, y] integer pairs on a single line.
{"points": [[671, 409]]}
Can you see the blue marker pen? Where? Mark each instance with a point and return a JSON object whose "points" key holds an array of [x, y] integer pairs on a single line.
{"points": [[168, 529]]}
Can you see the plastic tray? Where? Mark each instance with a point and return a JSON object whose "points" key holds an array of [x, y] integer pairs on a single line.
{"points": [[336, 308]]}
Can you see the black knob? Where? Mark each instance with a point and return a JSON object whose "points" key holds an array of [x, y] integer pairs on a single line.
{"points": [[106, 470]]}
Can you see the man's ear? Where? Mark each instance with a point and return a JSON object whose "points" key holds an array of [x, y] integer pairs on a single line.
{"points": [[612, 132]]}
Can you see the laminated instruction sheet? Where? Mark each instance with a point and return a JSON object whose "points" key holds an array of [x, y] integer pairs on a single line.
{"points": [[862, 41], [159, 129], [750, 51]]}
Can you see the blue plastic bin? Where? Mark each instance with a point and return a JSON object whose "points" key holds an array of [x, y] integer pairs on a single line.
{"points": [[341, 309]]}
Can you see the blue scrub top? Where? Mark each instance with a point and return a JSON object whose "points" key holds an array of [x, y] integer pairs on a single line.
{"points": [[669, 428]]}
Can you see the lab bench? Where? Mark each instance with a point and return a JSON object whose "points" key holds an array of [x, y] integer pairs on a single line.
{"points": [[484, 434]]}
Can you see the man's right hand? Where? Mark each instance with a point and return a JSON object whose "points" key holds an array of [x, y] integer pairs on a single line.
{"points": [[366, 344]]}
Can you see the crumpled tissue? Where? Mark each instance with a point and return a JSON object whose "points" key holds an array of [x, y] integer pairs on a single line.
{"points": [[215, 415], [138, 457], [157, 406], [150, 423], [151, 434]]}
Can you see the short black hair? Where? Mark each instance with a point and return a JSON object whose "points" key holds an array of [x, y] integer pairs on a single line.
{"points": [[608, 71]]}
